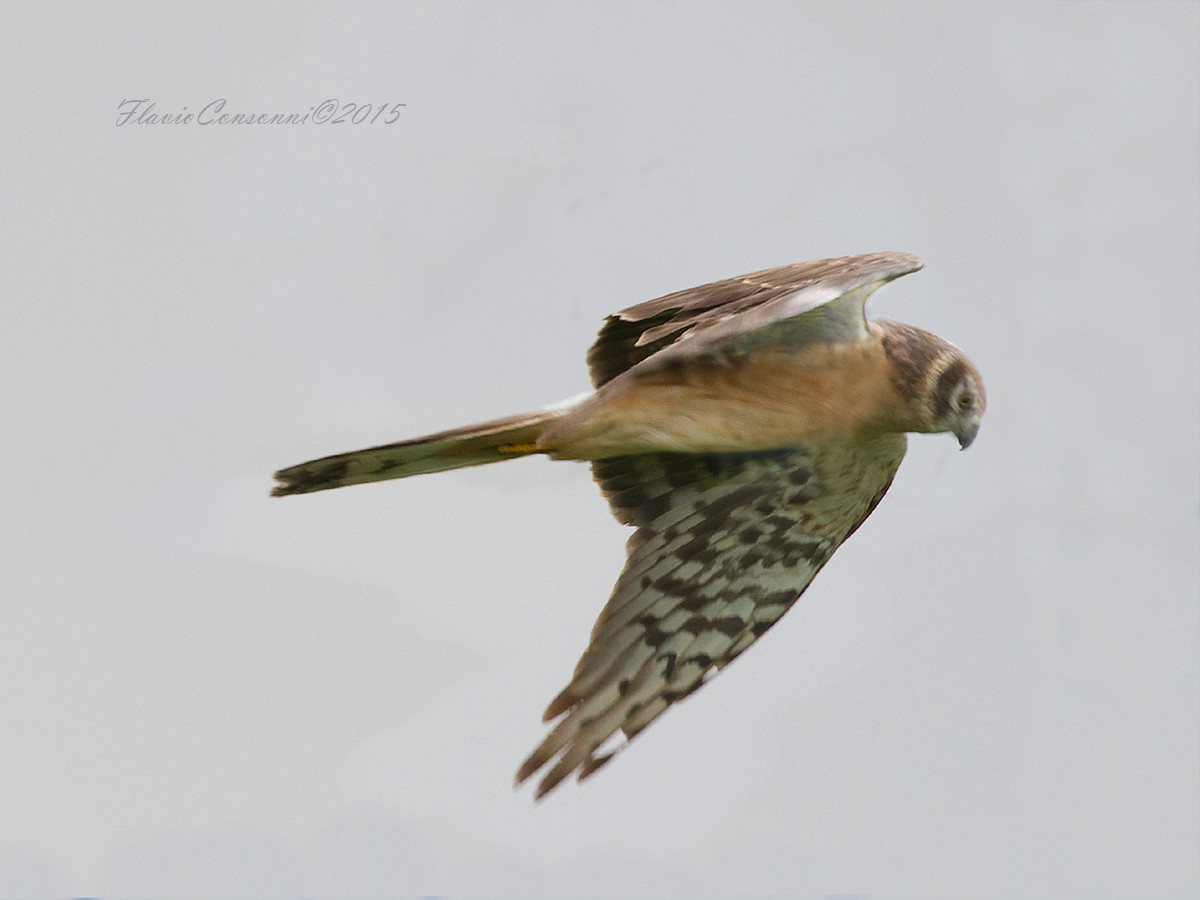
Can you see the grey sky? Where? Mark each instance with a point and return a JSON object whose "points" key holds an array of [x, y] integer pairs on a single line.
{"points": [[991, 690]]}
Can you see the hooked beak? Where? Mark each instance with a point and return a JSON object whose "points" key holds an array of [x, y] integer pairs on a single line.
{"points": [[967, 433]]}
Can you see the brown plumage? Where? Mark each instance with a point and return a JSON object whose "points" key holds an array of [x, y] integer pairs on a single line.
{"points": [[746, 428]]}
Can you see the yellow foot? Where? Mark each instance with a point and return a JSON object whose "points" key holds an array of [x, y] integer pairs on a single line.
{"points": [[530, 447]]}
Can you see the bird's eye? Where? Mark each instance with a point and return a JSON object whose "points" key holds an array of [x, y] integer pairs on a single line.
{"points": [[966, 401]]}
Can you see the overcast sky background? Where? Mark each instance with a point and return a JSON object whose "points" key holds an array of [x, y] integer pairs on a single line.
{"points": [[991, 690]]}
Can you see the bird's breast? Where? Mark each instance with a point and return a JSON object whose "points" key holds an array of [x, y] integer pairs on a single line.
{"points": [[760, 400]]}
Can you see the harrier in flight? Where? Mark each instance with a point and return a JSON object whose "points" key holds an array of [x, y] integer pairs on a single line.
{"points": [[745, 428]]}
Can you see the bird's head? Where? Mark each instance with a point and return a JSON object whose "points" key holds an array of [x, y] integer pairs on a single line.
{"points": [[939, 387]]}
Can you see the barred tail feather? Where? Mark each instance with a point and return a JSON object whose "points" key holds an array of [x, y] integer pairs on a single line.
{"points": [[473, 445]]}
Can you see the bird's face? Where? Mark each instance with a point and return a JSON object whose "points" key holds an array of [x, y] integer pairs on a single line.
{"points": [[967, 402]]}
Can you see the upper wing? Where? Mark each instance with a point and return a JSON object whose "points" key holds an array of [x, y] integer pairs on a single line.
{"points": [[715, 314], [724, 546]]}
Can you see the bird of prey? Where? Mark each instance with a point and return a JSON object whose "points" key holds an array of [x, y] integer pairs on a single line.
{"points": [[745, 428]]}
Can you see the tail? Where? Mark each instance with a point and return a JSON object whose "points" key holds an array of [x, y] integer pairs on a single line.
{"points": [[474, 445]]}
